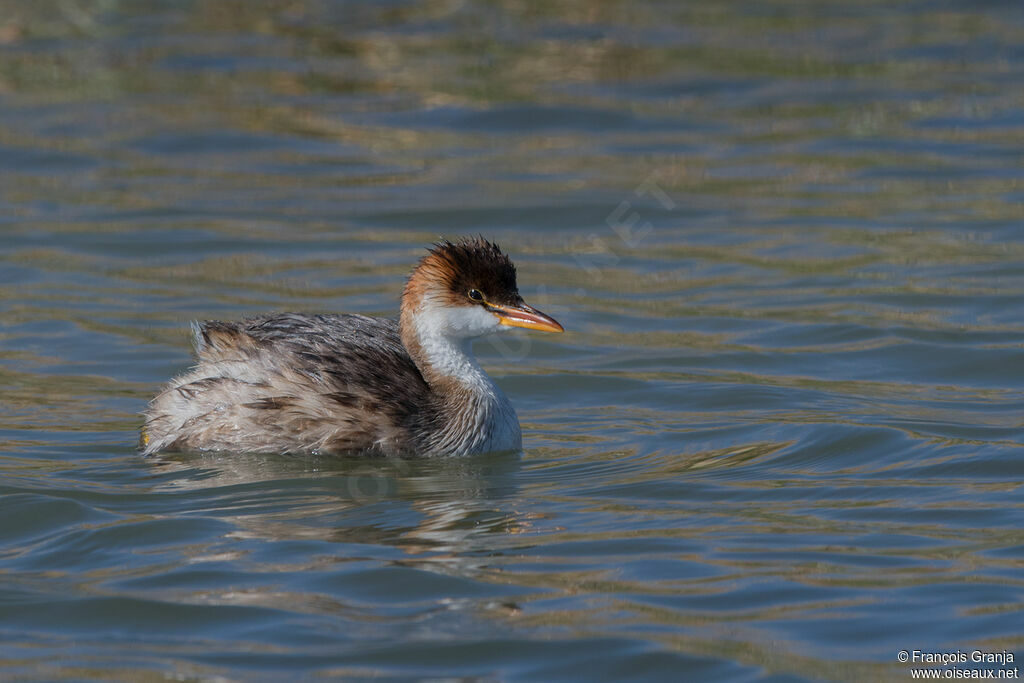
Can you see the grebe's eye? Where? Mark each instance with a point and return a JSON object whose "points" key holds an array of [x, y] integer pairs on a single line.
{"points": [[475, 295]]}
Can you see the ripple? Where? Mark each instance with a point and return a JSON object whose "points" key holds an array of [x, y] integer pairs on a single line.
{"points": [[780, 433]]}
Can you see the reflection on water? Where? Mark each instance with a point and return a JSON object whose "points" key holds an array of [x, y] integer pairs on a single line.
{"points": [[443, 504], [779, 438]]}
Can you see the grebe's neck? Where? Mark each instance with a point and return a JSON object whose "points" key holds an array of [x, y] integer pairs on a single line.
{"points": [[472, 413]]}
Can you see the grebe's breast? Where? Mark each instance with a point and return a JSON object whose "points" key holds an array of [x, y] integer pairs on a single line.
{"points": [[478, 421]]}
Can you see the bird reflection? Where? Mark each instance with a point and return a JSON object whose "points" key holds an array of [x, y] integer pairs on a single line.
{"points": [[439, 506]]}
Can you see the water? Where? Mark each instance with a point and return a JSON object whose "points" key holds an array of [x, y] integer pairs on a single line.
{"points": [[780, 439]]}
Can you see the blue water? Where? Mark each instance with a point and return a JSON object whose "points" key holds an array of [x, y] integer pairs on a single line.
{"points": [[779, 440]]}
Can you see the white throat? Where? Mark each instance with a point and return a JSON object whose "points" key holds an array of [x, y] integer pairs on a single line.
{"points": [[446, 337]]}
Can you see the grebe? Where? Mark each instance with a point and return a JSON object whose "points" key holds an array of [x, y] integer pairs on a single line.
{"points": [[295, 383]]}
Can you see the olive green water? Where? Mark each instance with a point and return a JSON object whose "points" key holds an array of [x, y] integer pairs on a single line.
{"points": [[780, 438]]}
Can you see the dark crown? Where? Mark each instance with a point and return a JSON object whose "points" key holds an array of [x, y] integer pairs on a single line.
{"points": [[474, 263]]}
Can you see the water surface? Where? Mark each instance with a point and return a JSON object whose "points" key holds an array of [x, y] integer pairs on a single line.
{"points": [[778, 440]]}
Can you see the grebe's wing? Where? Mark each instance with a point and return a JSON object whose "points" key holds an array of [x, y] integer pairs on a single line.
{"points": [[291, 383]]}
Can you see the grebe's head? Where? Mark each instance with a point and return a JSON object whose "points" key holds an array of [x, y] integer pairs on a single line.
{"points": [[468, 288]]}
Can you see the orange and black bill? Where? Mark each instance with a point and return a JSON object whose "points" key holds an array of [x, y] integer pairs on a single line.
{"points": [[522, 315]]}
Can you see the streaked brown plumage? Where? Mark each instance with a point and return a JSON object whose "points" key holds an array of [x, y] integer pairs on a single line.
{"points": [[301, 383]]}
